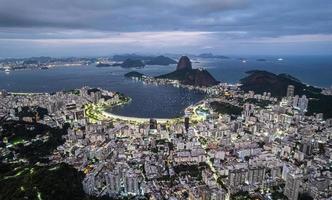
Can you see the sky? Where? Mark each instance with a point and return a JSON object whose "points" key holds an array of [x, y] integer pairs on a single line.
{"points": [[105, 27]]}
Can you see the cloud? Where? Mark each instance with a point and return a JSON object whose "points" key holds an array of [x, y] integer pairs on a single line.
{"points": [[167, 22], [146, 38]]}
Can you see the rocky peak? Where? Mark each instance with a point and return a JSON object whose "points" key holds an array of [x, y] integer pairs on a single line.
{"points": [[184, 63]]}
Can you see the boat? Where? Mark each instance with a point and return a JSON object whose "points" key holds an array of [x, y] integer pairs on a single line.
{"points": [[7, 71], [280, 59]]}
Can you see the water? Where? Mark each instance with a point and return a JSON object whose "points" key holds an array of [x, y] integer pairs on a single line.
{"points": [[147, 100], [163, 101], [313, 70]]}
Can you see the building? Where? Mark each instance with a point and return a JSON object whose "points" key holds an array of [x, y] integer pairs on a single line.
{"points": [[113, 181], [132, 182], [292, 187], [290, 90], [256, 175], [186, 123], [303, 104], [153, 124]]}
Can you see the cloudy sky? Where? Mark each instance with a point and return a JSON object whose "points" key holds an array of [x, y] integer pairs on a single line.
{"points": [[105, 27]]}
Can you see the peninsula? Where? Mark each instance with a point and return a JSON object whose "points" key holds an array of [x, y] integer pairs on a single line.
{"points": [[186, 75]]}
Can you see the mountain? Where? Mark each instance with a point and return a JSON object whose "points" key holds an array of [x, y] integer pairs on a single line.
{"points": [[161, 60], [184, 63], [130, 63], [127, 59], [124, 57], [210, 55], [263, 81], [133, 74], [188, 76]]}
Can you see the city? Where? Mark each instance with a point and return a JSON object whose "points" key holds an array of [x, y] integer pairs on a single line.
{"points": [[165, 100], [262, 152]]}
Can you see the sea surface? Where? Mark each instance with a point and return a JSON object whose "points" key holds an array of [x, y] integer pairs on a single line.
{"points": [[164, 101]]}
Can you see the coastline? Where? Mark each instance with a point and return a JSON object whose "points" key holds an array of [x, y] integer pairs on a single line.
{"points": [[136, 119]]}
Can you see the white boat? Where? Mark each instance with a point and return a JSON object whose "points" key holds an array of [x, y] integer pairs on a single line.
{"points": [[280, 59], [7, 71]]}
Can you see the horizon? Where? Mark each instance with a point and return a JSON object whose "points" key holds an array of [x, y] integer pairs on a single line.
{"points": [[174, 55], [240, 27]]}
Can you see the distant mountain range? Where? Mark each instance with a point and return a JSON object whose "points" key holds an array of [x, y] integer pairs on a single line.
{"points": [[210, 55], [121, 58], [263, 81], [133, 60]]}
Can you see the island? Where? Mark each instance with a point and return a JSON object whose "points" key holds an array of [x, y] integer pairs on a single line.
{"points": [[128, 60], [134, 74], [131, 63], [210, 55], [261, 59], [103, 65], [161, 60]]}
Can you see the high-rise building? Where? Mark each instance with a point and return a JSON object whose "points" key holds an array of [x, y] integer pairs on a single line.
{"points": [[88, 184], [186, 123], [95, 94], [132, 183], [256, 175], [290, 91], [3, 93], [295, 100], [237, 177], [303, 104], [113, 181], [153, 124], [293, 182]]}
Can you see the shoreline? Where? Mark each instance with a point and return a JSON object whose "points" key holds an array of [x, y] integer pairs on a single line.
{"points": [[136, 119]]}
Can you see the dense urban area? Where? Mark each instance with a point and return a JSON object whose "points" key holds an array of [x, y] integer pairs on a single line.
{"points": [[231, 145]]}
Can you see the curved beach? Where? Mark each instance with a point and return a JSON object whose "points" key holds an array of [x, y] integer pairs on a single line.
{"points": [[136, 119]]}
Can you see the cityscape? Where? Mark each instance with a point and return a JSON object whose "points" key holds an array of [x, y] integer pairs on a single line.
{"points": [[122, 105]]}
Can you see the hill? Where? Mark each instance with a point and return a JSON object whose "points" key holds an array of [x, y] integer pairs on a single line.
{"points": [[130, 63], [133, 74], [161, 60], [121, 58], [263, 81], [59, 181], [210, 55]]}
